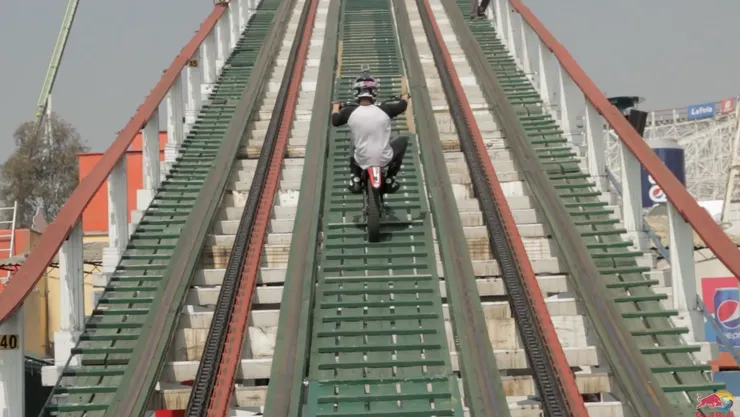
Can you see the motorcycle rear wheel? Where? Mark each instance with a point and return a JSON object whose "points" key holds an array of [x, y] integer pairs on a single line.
{"points": [[374, 208]]}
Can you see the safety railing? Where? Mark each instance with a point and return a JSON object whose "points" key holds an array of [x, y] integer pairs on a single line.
{"points": [[649, 231], [564, 86], [663, 252], [182, 89]]}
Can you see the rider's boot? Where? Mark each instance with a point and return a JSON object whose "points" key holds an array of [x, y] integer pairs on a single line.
{"points": [[355, 186], [355, 183], [391, 185]]}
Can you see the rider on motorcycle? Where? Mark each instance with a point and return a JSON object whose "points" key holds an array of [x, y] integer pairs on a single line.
{"points": [[370, 127], [482, 8]]}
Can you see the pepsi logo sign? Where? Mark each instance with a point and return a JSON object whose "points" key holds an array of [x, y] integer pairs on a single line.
{"points": [[728, 314], [656, 194]]}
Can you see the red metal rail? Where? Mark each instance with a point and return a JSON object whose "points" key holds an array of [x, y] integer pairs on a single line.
{"points": [[699, 219], [566, 378], [43, 253], [231, 358]]}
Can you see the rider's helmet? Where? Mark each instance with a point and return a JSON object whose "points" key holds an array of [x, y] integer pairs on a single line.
{"points": [[365, 87]]}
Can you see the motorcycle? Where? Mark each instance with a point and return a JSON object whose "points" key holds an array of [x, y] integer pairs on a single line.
{"points": [[372, 181]]}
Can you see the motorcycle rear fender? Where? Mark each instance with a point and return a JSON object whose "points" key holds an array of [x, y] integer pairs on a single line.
{"points": [[374, 175]]}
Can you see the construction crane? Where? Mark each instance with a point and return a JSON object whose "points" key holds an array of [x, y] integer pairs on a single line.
{"points": [[43, 107]]}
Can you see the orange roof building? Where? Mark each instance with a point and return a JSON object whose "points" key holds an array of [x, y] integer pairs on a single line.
{"points": [[21, 243], [95, 216]]}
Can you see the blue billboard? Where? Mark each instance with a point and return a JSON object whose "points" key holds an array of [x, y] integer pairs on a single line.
{"points": [[672, 155], [701, 111]]}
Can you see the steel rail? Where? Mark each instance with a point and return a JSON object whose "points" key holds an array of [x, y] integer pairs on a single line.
{"points": [[290, 363], [280, 131], [214, 382], [555, 381], [354, 367], [643, 392], [150, 353], [699, 219], [484, 391], [34, 267]]}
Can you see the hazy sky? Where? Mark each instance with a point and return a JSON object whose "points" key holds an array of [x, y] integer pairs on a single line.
{"points": [[117, 52]]}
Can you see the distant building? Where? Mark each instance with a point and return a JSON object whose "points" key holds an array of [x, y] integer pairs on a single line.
{"points": [[95, 216]]}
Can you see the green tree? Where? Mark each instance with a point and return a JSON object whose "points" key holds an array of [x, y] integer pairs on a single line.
{"points": [[43, 170]]}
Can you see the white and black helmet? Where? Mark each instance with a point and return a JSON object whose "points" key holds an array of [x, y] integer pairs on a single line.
{"points": [[365, 87]]}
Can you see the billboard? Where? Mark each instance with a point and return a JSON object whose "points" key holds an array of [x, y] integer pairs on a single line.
{"points": [[672, 155], [727, 105], [722, 299], [701, 111]]}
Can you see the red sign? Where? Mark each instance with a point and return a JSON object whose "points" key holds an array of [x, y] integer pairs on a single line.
{"points": [[727, 105], [709, 285]]}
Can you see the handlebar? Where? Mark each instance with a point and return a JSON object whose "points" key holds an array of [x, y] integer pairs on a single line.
{"points": [[350, 102]]}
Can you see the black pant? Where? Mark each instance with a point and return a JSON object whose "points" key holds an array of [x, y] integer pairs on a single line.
{"points": [[398, 145]]}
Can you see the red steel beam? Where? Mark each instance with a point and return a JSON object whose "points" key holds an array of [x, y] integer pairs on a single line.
{"points": [[231, 358], [699, 219], [566, 378], [56, 233]]}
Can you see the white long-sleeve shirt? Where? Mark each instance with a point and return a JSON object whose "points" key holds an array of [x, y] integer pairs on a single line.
{"points": [[370, 128]]}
